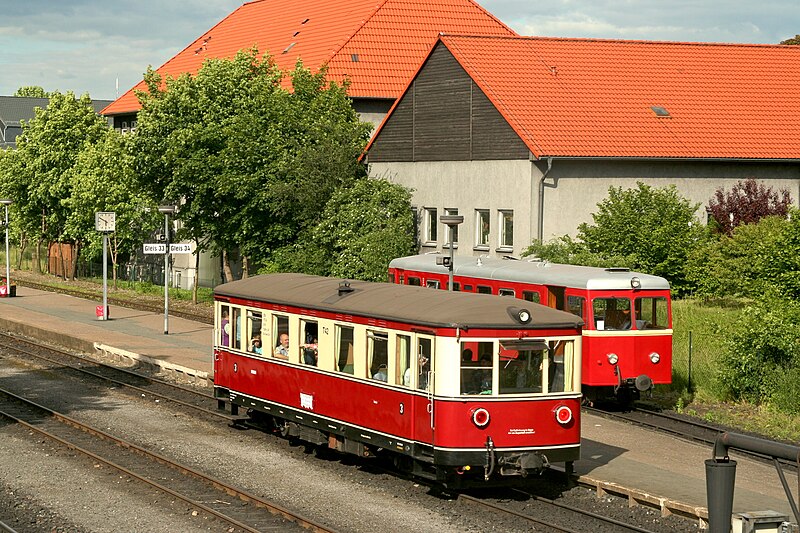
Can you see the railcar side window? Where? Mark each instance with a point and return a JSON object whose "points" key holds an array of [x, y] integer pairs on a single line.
{"points": [[225, 327], [424, 358], [309, 353], [531, 296], [652, 313], [255, 344], [612, 313], [456, 286], [483, 289], [476, 367], [403, 360], [414, 281], [378, 355], [344, 349], [237, 327], [432, 283], [506, 292], [575, 305], [280, 336]]}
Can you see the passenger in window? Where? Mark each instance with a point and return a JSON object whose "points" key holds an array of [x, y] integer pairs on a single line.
{"points": [[310, 352], [381, 374], [485, 376], [422, 381], [282, 349], [255, 344], [225, 326]]}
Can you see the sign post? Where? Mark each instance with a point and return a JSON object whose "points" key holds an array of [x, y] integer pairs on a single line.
{"points": [[105, 222], [167, 210]]}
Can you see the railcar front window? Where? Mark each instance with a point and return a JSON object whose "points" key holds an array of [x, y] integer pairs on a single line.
{"points": [[522, 366], [652, 313], [476, 367], [612, 313]]}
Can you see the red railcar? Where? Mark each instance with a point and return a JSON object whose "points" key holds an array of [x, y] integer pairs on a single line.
{"points": [[627, 339], [461, 388]]}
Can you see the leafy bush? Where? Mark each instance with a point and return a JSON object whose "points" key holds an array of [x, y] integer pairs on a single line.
{"points": [[763, 345], [566, 250], [746, 203], [739, 265]]}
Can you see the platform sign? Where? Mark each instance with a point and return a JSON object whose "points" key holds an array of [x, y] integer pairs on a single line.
{"points": [[180, 248], [155, 248]]}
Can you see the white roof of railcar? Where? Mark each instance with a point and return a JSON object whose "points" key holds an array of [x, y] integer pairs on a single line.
{"points": [[400, 303], [533, 271]]}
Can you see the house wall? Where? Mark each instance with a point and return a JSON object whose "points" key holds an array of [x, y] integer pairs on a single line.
{"points": [[467, 186], [575, 187]]}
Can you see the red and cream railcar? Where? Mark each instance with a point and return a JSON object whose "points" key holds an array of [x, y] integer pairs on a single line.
{"points": [[462, 388], [627, 339]]}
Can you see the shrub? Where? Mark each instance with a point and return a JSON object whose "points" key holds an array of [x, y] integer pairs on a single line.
{"points": [[746, 203]]}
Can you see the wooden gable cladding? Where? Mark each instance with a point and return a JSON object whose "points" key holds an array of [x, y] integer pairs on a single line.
{"points": [[444, 116]]}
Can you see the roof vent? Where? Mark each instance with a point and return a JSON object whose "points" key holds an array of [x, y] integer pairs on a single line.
{"points": [[618, 269], [285, 50], [345, 288], [660, 111], [354, 58]]}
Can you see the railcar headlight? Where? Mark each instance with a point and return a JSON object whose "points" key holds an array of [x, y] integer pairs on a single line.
{"points": [[480, 417], [655, 357], [613, 358], [563, 415], [635, 283]]}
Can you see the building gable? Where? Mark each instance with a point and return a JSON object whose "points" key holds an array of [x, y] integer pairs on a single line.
{"points": [[445, 116]]}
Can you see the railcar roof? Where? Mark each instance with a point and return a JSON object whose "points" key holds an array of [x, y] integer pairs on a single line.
{"points": [[539, 272], [401, 303]]}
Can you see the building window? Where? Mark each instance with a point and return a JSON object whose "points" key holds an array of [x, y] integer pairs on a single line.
{"points": [[452, 212], [431, 225], [482, 228], [506, 223]]}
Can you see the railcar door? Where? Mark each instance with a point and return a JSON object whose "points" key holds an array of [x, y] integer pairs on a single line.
{"points": [[423, 384]]}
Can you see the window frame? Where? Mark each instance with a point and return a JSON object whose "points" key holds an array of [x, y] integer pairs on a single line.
{"points": [[502, 244], [482, 218], [430, 226]]}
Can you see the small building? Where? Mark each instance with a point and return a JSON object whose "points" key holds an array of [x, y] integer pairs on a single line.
{"points": [[523, 136], [15, 109]]}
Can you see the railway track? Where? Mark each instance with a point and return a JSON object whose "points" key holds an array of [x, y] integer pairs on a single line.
{"points": [[560, 517], [136, 383], [241, 510]]}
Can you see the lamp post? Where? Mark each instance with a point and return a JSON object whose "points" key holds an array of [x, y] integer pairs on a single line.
{"points": [[452, 222], [6, 202], [167, 210]]}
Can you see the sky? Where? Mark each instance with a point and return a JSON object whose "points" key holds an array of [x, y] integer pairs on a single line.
{"points": [[103, 47]]}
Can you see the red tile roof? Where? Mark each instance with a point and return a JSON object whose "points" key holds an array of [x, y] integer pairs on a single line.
{"points": [[376, 43], [595, 98]]}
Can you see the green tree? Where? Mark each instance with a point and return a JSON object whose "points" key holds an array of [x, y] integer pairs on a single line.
{"points": [[252, 163], [102, 180], [569, 251], [32, 91], [654, 227], [792, 40], [364, 227], [46, 151]]}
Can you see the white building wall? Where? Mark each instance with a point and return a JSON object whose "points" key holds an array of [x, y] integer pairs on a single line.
{"points": [[467, 186]]}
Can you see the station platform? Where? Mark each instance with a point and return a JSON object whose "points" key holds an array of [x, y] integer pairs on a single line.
{"points": [[617, 458]]}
